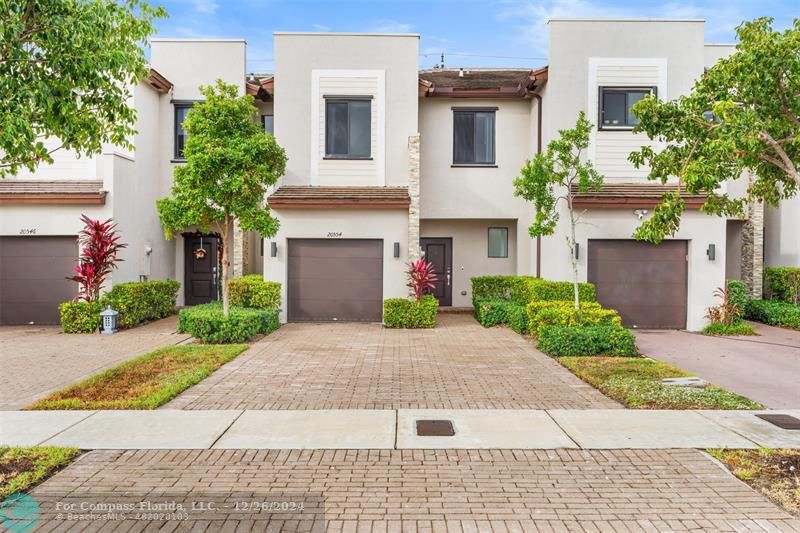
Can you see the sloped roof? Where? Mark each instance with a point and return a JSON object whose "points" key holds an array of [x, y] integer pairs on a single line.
{"points": [[332, 197], [623, 195], [52, 192]]}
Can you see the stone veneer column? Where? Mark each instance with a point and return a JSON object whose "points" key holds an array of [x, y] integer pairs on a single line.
{"points": [[753, 249], [240, 251], [413, 193]]}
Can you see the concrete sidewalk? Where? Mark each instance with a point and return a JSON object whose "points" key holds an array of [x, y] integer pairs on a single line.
{"points": [[394, 429]]}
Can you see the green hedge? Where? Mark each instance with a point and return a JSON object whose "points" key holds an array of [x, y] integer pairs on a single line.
{"points": [[522, 290], [141, 301], [562, 313], [80, 317], [253, 291], [207, 323], [587, 340], [773, 312], [737, 294], [493, 312], [410, 314], [782, 283]]}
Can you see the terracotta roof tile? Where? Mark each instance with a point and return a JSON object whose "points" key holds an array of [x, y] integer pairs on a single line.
{"points": [[325, 196], [633, 194], [52, 192], [477, 78]]}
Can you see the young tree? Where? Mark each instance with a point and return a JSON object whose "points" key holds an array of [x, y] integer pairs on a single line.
{"points": [[99, 248], [741, 121], [230, 162], [555, 175], [67, 70]]}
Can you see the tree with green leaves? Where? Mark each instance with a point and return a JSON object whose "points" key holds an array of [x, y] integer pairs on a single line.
{"points": [[740, 121], [67, 71], [557, 175], [230, 162]]}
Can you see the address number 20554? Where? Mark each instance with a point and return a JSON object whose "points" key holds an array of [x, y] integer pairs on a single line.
{"points": [[334, 234]]}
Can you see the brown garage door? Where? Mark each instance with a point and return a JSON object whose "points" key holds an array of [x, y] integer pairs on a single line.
{"points": [[335, 280], [646, 283], [33, 282]]}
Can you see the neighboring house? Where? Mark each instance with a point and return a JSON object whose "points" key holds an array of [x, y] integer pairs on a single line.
{"points": [[387, 163]]}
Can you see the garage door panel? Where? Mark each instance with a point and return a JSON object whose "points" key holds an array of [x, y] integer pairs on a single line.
{"points": [[335, 280], [44, 247], [32, 268], [646, 283]]}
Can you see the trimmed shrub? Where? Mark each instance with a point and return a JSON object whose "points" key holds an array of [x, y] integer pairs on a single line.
{"points": [[80, 317], [562, 313], [587, 340], [410, 314], [782, 283], [773, 312], [737, 295], [721, 330], [141, 301], [207, 323], [517, 318], [493, 312], [522, 290], [253, 291]]}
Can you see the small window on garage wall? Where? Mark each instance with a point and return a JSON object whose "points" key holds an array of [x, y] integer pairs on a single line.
{"points": [[498, 242]]}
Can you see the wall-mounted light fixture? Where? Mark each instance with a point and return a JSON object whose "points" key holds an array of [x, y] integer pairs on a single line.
{"points": [[577, 250], [273, 249], [397, 249], [711, 252]]}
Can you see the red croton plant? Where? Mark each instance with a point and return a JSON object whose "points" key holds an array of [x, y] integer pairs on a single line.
{"points": [[99, 248], [421, 277]]}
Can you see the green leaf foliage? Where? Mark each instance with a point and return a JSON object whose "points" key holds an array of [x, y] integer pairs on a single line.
{"points": [[774, 313], [80, 317], [208, 323], [230, 162], [67, 70], [559, 340], [737, 294], [562, 313], [741, 117], [782, 283], [720, 329], [253, 291], [141, 301], [410, 314], [521, 290], [545, 178], [492, 312]]}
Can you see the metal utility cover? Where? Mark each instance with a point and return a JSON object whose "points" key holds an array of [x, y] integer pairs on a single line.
{"points": [[435, 428], [782, 421]]}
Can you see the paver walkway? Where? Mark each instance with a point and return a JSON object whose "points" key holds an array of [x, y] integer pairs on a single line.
{"points": [[765, 368], [37, 360], [416, 491], [458, 365]]}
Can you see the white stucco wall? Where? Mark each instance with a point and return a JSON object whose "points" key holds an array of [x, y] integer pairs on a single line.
{"points": [[782, 234], [391, 225]]}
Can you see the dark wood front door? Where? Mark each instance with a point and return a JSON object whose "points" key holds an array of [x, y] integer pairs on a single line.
{"points": [[439, 251], [645, 282], [200, 279]]}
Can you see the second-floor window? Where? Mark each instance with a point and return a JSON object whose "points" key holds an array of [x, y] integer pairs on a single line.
{"points": [[473, 136], [268, 121], [348, 128], [180, 134], [616, 105]]}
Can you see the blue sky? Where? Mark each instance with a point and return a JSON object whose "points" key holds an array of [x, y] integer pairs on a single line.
{"points": [[501, 33]]}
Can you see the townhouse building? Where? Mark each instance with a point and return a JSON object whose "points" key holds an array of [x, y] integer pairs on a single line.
{"points": [[388, 163]]}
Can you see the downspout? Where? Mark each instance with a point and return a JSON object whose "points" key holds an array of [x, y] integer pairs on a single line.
{"points": [[538, 98]]}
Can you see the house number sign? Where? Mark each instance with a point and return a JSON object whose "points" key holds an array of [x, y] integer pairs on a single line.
{"points": [[27, 231], [334, 234]]}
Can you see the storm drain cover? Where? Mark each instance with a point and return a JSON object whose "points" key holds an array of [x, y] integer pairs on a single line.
{"points": [[782, 421], [435, 428]]}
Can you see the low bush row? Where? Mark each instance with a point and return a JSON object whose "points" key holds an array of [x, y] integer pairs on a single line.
{"points": [[136, 302], [207, 323], [782, 283], [560, 340], [563, 313], [522, 290], [492, 312], [253, 291], [410, 314], [773, 312]]}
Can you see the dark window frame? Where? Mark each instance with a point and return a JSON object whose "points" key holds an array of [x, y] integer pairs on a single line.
{"points": [[179, 104], [473, 110], [264, 122], [489, 242], [337, 99], [602, 90]]}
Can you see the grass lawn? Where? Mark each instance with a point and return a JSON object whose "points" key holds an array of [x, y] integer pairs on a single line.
{"points": [[22, 468], [775, 473], [145, 382], [635, 382]]}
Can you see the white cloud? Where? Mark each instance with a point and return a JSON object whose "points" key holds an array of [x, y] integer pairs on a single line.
{"points": [[390, 26], [205, 7]]}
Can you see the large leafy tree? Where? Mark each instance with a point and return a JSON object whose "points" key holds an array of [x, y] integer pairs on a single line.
{"points": [[557, 175], [67, 70], [230, 162], [741, 121]]}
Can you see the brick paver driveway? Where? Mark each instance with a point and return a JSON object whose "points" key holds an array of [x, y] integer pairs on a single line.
{"points": [[36, 360], [422, 490], [457, 365]]}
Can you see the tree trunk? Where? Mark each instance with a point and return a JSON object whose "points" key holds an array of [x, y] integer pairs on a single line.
{"points": [[571, 241], [226, 264]]}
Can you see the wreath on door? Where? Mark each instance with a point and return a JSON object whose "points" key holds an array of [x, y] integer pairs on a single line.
{"points": [[200, 253]]}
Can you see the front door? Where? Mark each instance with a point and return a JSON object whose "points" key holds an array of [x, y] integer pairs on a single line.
{"points": [[200, 279], [439, 251]]}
